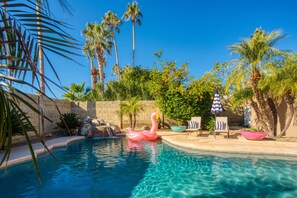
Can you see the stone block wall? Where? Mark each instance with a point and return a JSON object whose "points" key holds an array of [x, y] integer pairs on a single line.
{"points": [[235, 121], [143, 119], [282, 117], [49, 109], [108, 111]]}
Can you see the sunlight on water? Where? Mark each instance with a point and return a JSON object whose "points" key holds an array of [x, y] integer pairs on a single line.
{"points": [[117, 168]]}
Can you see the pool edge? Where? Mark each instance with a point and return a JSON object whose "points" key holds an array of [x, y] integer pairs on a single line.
{"points": [[22, 154]]}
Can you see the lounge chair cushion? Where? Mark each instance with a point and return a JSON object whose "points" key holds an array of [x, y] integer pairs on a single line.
{"points": [[193, 125], [220, 125]]}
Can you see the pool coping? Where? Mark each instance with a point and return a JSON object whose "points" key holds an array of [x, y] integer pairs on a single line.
{"points": [[230, 147], [22, 153], [235, 154]]}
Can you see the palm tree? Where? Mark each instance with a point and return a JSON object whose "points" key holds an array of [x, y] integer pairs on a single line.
{"points": [[41, 58], [76, 92], [112, 21], [98, 38], [19, 23], [131, 108], [90, 53], [253, 54], [134, 13], [284, 72]]}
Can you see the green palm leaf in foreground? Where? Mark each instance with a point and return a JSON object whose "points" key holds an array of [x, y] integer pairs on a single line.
{"points": [[20, 43]]}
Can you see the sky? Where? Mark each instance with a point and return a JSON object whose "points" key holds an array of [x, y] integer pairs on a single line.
{"points": [[194, 31]]}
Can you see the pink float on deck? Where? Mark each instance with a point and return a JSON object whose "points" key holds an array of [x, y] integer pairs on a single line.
{"points": [[145, 134], [253, 135]]}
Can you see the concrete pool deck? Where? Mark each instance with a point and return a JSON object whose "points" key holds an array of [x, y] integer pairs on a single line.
{"points": [[235, 144], [205, 142]]}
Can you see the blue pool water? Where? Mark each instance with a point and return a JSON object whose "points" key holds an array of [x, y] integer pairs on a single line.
{"points": [[108, 168]]}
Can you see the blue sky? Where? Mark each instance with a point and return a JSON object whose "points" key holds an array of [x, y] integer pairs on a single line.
{"points": [[194, 31]]}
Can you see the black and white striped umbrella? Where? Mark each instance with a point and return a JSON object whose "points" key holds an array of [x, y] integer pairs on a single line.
{"points": [[216, 104]]}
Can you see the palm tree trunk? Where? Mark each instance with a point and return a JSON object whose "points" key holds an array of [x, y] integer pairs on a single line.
{"points": [[100, 60], [133, 43], [41, 59], [131, 120], [272, 106], [295, 112], [94, 74], [290, 103], [258, 115], [117, 56], [134, 123], [9, 62], [41, 72], [264, 110]]}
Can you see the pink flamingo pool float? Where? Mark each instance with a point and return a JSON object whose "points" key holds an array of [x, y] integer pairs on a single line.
{"points": [[145, 134]]}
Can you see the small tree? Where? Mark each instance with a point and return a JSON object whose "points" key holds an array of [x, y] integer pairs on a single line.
{"points": [[179, 97], [76, 92], [131, 108], [134, 83]]}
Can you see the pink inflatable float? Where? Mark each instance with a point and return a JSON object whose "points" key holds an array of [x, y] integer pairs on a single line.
{"points": [[148, 146], [253, 135], [145, 134]]}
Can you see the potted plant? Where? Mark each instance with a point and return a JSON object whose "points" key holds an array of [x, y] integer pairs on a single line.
{"points": [[253, 134], [181, 126]]}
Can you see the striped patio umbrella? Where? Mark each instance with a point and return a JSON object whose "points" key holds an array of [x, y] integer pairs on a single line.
{"points": [[216, 104]]}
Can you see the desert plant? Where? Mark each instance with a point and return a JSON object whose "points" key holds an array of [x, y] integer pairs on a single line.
{"points": [[19, 122], [70, 122]]}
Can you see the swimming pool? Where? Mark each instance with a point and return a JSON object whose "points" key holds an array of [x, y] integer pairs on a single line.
{"points": [[117, 168]]}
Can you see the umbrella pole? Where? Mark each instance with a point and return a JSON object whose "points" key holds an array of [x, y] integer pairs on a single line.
{"points": [[214, 132]]}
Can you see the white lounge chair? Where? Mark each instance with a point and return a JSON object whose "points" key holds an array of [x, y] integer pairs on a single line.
{"points": [[194, 124], [221, 126]]}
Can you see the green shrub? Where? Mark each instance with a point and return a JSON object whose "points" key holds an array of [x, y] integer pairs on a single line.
{"points": [[210, 125], [69, 122]]}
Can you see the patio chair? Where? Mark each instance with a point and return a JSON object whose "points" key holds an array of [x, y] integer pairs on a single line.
{"points": [[221, 126], [194, 124]]}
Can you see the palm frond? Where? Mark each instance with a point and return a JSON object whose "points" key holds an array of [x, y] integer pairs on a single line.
{"points": [[26, 29]]}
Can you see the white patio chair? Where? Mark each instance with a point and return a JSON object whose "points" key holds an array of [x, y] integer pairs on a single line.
{"points": [[194, 124], [221, 126]]}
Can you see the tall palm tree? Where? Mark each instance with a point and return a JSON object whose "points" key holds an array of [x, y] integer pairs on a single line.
{"points": [[98, 38], [133, 13], [41, 58], [112, 21], [253, 54], [90, 53]]}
